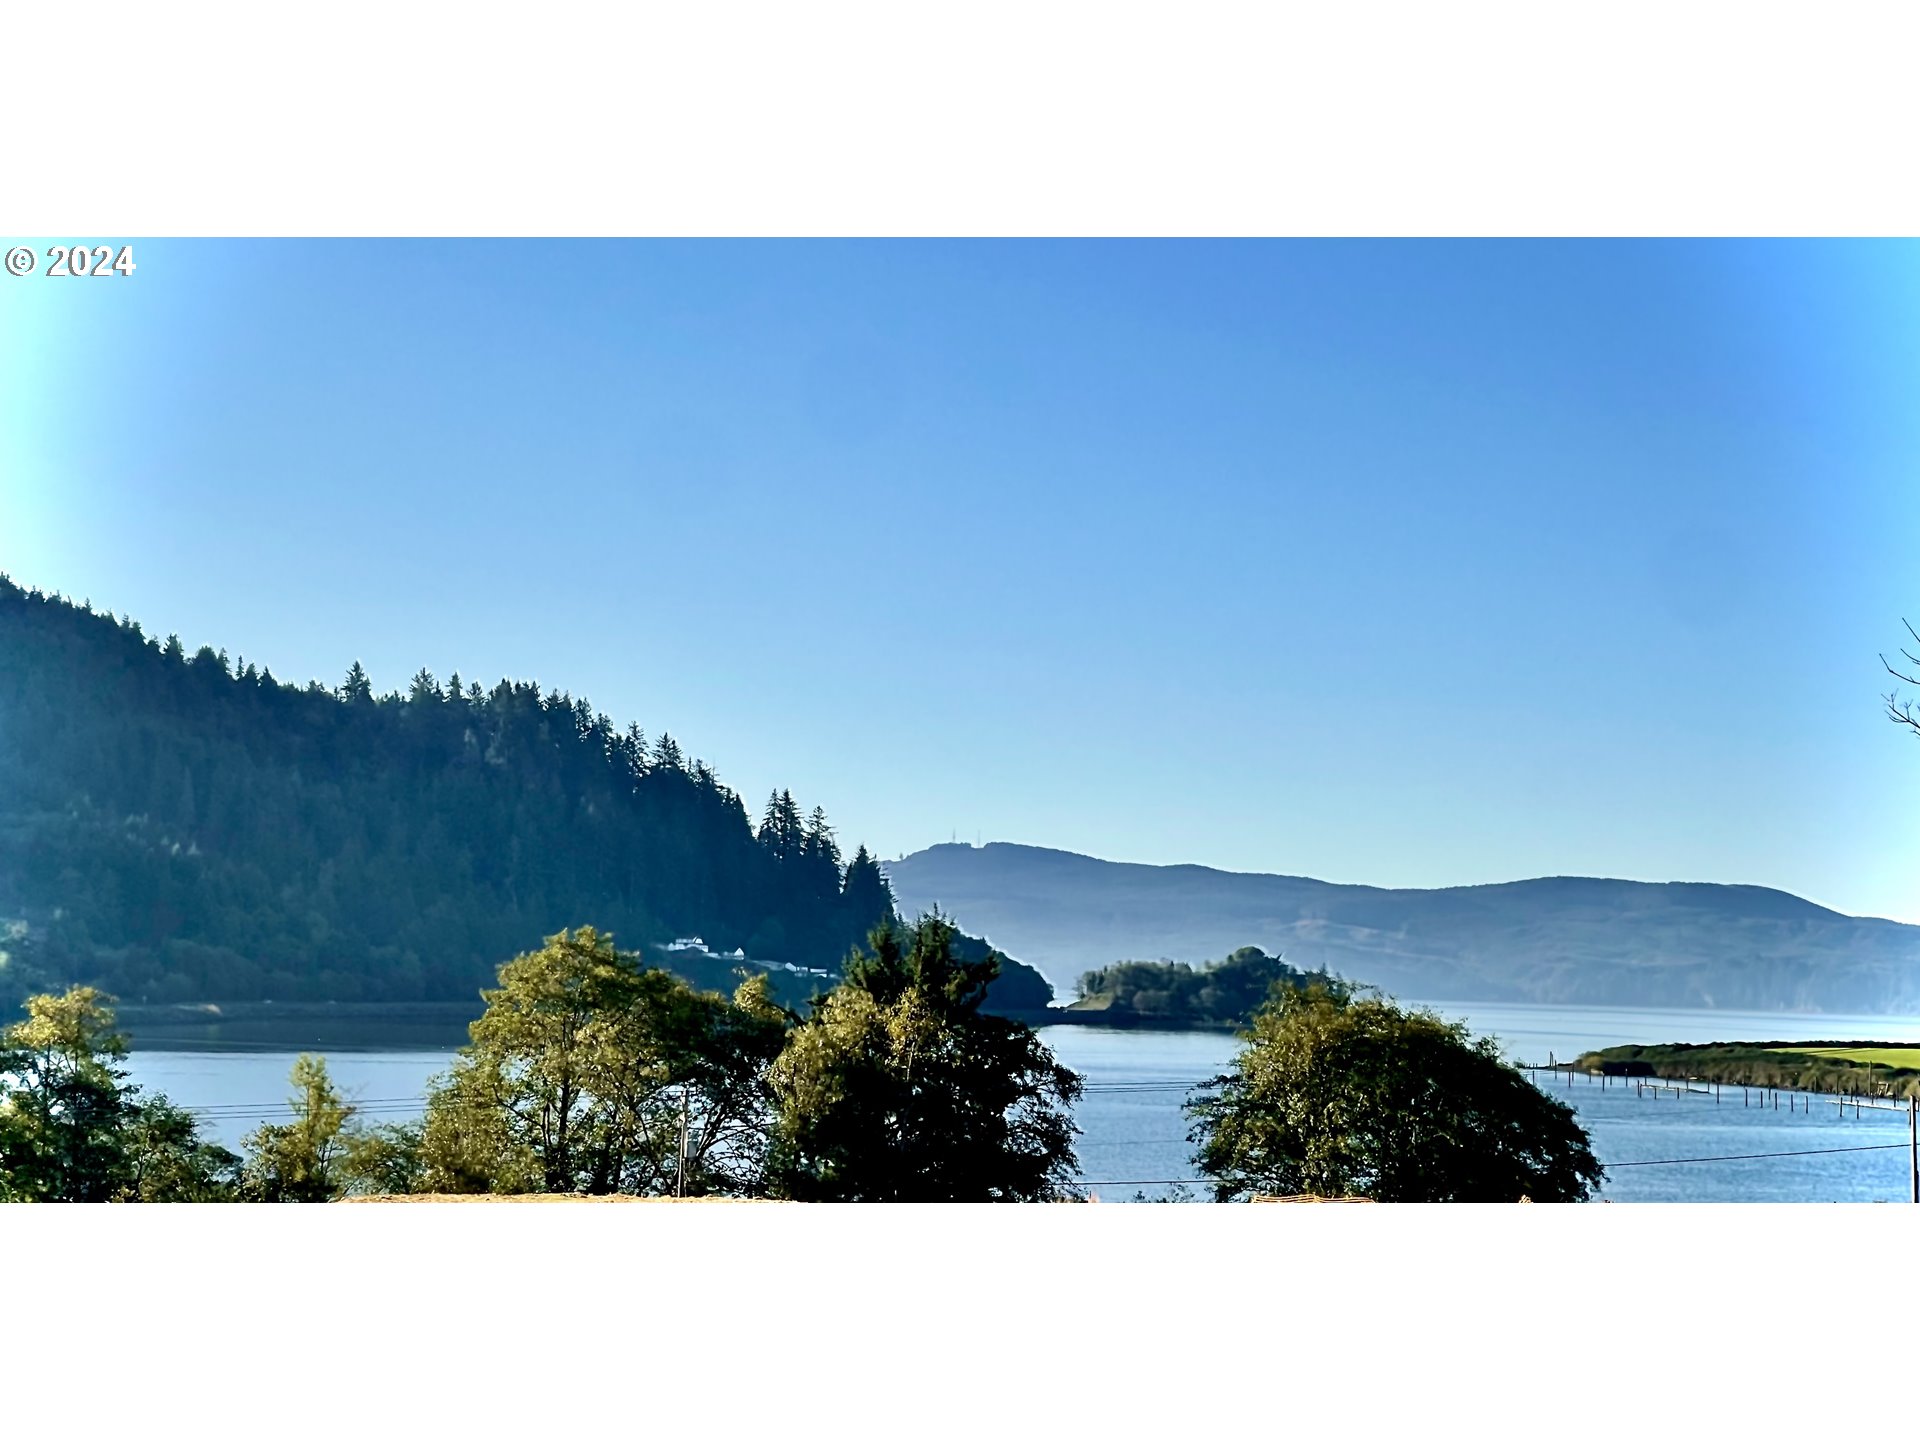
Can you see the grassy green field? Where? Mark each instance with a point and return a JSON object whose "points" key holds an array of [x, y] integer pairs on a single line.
{"points": [[1894, 1057], [1833, 1066]]}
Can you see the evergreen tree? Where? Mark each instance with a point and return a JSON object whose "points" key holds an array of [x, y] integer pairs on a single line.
{"points": [[357, 688], [772, 836], [900, 1087], [819, 843], [820, 854], [782, 833], [866, 895]]}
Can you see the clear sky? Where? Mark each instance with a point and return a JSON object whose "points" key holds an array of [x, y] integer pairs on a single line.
{"points": [[1398, 563]]}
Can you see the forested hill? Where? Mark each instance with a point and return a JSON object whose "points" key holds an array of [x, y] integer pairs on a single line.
{"points": [[1563, 940], [178, 827]]}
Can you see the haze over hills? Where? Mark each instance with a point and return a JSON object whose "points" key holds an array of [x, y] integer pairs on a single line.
{"points": [[1565, 940]]}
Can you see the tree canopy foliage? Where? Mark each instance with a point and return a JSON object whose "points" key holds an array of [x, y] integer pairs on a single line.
{"points": [[1226, 992], [178, 827], [585, 1071], [900, 1087], [72, 1128], [592, 1072], [304, 1159], [1340, 1092]]}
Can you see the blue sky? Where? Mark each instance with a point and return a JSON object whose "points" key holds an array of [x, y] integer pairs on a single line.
{"points": [[1396, 563]]}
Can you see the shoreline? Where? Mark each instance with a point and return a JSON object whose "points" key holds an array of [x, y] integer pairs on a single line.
{"points": [[1804, 1067]]}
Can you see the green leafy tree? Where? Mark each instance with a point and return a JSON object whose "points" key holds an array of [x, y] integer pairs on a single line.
{"points": [[899, 1086], [63, 1102], [71, 1128], [168, 1160], [383, 1160], [727, 1049], [1337, 1091], [586, 1069], [302, 1160], [468, 1140]]}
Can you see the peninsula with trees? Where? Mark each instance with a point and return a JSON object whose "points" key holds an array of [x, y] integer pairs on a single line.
{"points": [[1170, 994]]}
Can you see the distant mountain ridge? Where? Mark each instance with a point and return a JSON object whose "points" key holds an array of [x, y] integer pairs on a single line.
{"points": [[1560, 939]]}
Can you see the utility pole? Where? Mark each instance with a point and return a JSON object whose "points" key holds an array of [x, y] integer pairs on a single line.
{"points": [[680, 1176]]}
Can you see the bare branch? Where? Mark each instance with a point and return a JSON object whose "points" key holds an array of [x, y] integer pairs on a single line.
{"points": [[1901, 711]]}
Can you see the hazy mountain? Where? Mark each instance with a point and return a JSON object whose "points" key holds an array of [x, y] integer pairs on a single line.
{"points": [[1563, 939]]}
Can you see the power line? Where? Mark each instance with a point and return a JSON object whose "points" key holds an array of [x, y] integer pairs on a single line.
{"points": [[1763, 1155], [1089, 1184]]}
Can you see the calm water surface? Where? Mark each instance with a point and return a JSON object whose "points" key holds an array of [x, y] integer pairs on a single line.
{"points": [[1133, 1134]]}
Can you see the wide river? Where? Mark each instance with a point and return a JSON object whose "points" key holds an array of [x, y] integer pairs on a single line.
{"points": [[1133, 1133]]}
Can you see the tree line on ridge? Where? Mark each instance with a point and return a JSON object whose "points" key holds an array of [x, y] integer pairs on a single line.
{"points": [[179, 827]]}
